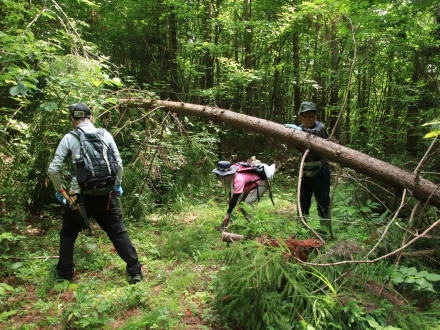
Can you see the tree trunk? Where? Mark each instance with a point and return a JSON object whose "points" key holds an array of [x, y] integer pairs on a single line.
{"points": [[422, 189], [208, 60], [174, 86], [248, 107], [296, 74]]}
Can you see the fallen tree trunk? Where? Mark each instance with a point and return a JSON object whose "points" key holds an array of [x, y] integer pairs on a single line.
{"points": [[422, 189]]}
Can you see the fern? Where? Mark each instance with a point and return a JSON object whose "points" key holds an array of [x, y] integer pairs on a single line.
{"points": [[260, 289]]}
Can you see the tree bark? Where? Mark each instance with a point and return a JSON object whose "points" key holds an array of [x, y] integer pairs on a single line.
{"points": [[174, 85], [422, 189], [231, 237]]}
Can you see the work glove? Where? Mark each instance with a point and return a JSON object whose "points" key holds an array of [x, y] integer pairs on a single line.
{"points": [[224, 223], [60, 197], [118, 190], [293, 126]]}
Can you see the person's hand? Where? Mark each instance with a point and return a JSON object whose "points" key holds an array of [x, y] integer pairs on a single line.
{"points": [[118, 190], [60, 197], [224, 223], [293, 126]]}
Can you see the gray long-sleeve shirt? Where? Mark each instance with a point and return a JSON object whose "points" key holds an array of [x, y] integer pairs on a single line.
{"points": [[66, 151]]}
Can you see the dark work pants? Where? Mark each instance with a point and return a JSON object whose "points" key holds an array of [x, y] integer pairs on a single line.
{"points": [[319, 185], [109, 220]]}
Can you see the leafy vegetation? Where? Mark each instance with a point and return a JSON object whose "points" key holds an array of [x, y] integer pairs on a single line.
{"points": [[372, 69], [193, 280]]}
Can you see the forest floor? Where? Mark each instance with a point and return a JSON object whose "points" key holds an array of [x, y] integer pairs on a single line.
{"points": [[182, 254]]}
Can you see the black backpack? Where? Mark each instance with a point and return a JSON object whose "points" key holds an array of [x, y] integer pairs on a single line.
{"points": [[96, 167]]}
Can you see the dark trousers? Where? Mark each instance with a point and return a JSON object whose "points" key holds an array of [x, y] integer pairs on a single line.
{"points": [[108, 215], [318, 185]]}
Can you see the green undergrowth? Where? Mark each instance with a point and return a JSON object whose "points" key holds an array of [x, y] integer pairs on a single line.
{"points": [[193, 280]]}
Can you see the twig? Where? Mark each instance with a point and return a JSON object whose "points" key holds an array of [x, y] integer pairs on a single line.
{"points": [[349, 77], [27, 258], [10, 119], [155, 153], [402, 203], [298, 196], [35, 18], [133, 121], [334, 281], [368, 190], [335, 184], [435, 224], [298, 190], [405, 236], [71, 26], [419, 166]]}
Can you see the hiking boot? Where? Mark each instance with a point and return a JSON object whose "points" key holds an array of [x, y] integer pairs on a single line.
{"points": [[135, 278], [60, 279]]}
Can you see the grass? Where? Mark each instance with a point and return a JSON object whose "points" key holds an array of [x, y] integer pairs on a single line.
{"points": [[182, 255]]}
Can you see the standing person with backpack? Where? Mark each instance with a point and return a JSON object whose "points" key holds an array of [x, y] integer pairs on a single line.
{"points": [[96, 195], [316, 179], [243, 185]]}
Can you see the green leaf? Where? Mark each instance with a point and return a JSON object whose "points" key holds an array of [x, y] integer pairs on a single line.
{"points": [[5, 287], [50, 106], [398, 278], [432, 277], [412, 271], [422, 273], [72, 287], [423, 284], [117, 82], [16, 265], [435, 122], [13, 91], [432, 134], [372, 322], [383, 215], [5, 315], [403, 270]]}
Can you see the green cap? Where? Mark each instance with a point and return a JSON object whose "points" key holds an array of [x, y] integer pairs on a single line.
{"points": [[307, 106]]}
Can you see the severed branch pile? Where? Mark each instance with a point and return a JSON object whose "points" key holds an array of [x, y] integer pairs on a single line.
{"points": [[299, 249]]}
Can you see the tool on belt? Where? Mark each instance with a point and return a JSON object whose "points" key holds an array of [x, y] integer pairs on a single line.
{"points": [[79, 210]]}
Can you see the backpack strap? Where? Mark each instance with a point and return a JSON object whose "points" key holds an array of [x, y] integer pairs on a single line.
{"points": [[270, 193], [78, 131], [75, 133]]}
